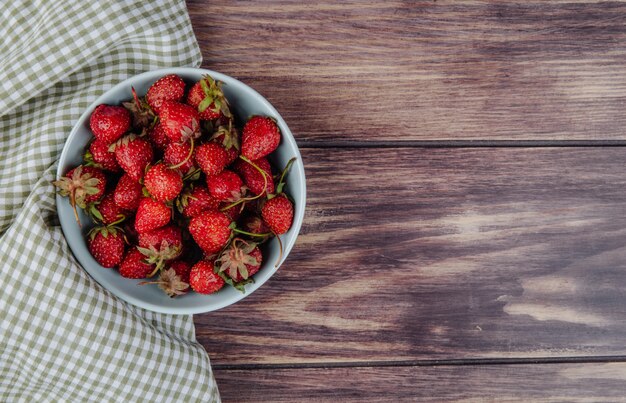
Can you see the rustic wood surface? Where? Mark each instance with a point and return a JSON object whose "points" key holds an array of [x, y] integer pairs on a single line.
{"points": [[486, 383], [427, 268], [432, 70]]}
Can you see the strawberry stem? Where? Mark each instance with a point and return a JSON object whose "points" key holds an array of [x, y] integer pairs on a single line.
{"points": [[73, 204], [281, 183], [245, 199], [180, 164]]}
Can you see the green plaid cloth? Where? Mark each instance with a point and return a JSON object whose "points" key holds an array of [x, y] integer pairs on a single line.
{"points": [[62, 336]]}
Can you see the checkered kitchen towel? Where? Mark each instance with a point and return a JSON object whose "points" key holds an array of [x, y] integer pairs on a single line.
{"points": [[62, 336]]}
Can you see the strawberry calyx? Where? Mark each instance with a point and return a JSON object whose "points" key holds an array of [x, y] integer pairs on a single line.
{"points": [[170, 283], [105, 231], [77, 187], [158, 257], [123, 141], [213, 95], [228, 136], [142, 115]]}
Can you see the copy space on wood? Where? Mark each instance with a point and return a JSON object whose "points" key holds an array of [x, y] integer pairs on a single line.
{"points": [[430, 70], [443, 253], [554, 382]]}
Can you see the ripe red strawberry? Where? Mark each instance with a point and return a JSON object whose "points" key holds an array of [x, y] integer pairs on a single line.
{"points": [[193, 202], [241, 260], [182, 269], [167, 88], [158, 138], [106, 245], [127, 193], [134, 266], [108, 122], [211, 158], [278, 214], [100, 156], [170, 235], [253, 178], [203, 279], [225, 186], [210, 230], [259, 138], [180, 122], [163, 184], [108, 211], [207, 97], [83, 185], [133, 154], [177, 154], [151, 214]]}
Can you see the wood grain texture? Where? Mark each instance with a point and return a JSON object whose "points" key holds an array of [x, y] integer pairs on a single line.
{"points": [[430, 70], [500, 383], [443, 253]]}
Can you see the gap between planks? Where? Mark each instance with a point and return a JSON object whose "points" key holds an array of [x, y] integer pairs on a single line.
{"points": [[428, 363], [461, 143]]}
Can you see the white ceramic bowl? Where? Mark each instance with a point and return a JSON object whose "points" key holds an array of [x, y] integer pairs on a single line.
{"points": [[244, 102]]}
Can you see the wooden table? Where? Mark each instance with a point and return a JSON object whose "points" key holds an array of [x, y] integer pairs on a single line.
{"points": [[465, 233]]}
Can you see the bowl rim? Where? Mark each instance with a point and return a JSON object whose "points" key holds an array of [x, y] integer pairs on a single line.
{"points": [[286, 136]]}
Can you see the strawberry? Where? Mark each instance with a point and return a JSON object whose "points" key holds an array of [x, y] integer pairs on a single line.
{"points": [[133, 154], [194, 201], [253, 178], [207, 97], [241, 260], [260, 136], [161, 244], [211, 158], [108, 122], [99, 156], [127, 193], [163, 183], [170, 234], [167, 88], [278, 214], [203, 279], [225, 186], [151, 214], [83, 185], [108, 212], [134, 265], [180, 122], [210, 230], [158, 138], [178, 155], [106, 245]]}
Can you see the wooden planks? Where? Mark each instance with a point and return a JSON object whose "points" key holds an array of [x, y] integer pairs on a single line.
{"points": [[443, 254], [491, 383], [431, 70]]}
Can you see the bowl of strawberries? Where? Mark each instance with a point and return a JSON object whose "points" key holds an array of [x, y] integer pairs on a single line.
{"points": [[181, 190]]}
